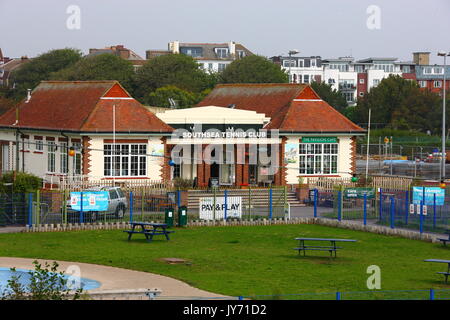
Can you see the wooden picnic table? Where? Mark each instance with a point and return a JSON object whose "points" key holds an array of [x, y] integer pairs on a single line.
{"points": [[331, 248], [155, 229], [446, 274]]}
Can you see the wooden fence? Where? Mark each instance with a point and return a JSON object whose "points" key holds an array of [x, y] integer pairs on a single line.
{"points": [[320, 183], [386, 183], [82, 184]]}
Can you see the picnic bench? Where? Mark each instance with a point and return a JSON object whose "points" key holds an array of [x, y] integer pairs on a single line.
{"points": [[445, 240], [332, 248], [149, 230], [446, 274]]}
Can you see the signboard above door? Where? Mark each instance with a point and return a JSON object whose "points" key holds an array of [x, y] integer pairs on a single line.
{"points": [[319, 140]]}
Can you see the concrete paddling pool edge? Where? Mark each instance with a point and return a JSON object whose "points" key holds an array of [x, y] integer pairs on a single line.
{"points": [[88, 284], [113, 279]]}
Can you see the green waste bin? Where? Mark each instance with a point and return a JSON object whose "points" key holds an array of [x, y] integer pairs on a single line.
{"points": [[182, 216], [169, 217]]}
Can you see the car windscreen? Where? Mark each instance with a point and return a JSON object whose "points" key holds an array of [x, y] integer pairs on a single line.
{"points": [[120, 192]]}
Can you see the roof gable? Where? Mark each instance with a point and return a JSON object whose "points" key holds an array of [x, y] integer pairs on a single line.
{"points": [[116, 91], [308, 94]]}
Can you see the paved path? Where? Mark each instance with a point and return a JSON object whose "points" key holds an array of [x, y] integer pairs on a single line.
{"points": [[113, 278], [12, 229]]}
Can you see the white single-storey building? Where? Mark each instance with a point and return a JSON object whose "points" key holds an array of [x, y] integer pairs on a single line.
{"points": [[240, 134]]}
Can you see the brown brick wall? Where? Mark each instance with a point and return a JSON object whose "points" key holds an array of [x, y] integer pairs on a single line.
{"points": [[165, 168], [86, 157], [353, 155], [280, 176]]}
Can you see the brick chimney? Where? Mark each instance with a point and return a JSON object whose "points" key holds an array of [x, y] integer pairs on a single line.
{"points": [[421, 58]]}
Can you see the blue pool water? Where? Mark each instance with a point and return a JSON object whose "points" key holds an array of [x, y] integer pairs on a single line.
{"points": [[6, 273]]}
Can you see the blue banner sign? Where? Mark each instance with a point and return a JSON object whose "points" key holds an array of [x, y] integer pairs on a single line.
{"points": [[429, 195], [92, 201]]}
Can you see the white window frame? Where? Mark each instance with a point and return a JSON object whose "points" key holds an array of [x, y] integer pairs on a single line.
{"points": [[437, 83], [438, 70], [286, 63], [38, 145], [133, 153], [220, 53], [63, 157], [77, 161], [318, 154], [422, 83], [51, 156], [221, 66]]}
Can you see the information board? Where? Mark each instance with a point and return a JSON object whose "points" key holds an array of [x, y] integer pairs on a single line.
{"points": [[92, 201], [418, 193]]}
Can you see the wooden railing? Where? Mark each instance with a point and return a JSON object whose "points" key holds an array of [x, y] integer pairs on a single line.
{"points": [[387, 183], [84, 182]]}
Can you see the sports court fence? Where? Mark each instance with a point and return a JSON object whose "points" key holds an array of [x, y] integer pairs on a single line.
{"points": [[430, 294], [392, 208]]}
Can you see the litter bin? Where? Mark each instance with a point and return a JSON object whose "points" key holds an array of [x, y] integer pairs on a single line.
{"points": [[182, 216], [169, 217]]}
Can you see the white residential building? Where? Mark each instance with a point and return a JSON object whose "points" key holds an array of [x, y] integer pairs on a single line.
{"points": [[212, 57]]}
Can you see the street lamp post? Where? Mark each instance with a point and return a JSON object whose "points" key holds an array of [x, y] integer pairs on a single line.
{"points": [[291, 53], [444, 156]]}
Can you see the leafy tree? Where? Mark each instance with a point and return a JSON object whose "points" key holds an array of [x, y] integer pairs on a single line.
{"points": [[400, 104], [350, 113], [160, 97], [22, 182], [105, 66], [30, 74], [253, 69], [333, 97], [46, 283], [177, 70]]}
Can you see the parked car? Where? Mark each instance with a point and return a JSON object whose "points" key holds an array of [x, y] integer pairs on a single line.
{"points": [[117, 204]]}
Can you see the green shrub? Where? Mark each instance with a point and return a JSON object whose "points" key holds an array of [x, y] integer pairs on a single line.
{"points": [[46, 283], [24, 182], [183, 184]]}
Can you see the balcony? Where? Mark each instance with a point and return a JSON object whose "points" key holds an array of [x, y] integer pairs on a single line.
{"points": [[347, 86]]}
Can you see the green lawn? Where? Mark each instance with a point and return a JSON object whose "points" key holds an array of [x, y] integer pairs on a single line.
{"points": [[247, 261]]}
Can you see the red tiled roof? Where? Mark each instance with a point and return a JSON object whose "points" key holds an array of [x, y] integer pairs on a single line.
{"points": [[291, 107], [130, 116], [312, 116], [265, 98], [70, 105]]}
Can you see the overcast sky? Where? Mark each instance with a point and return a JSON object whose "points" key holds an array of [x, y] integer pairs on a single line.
{"points": [[329, 28]]}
